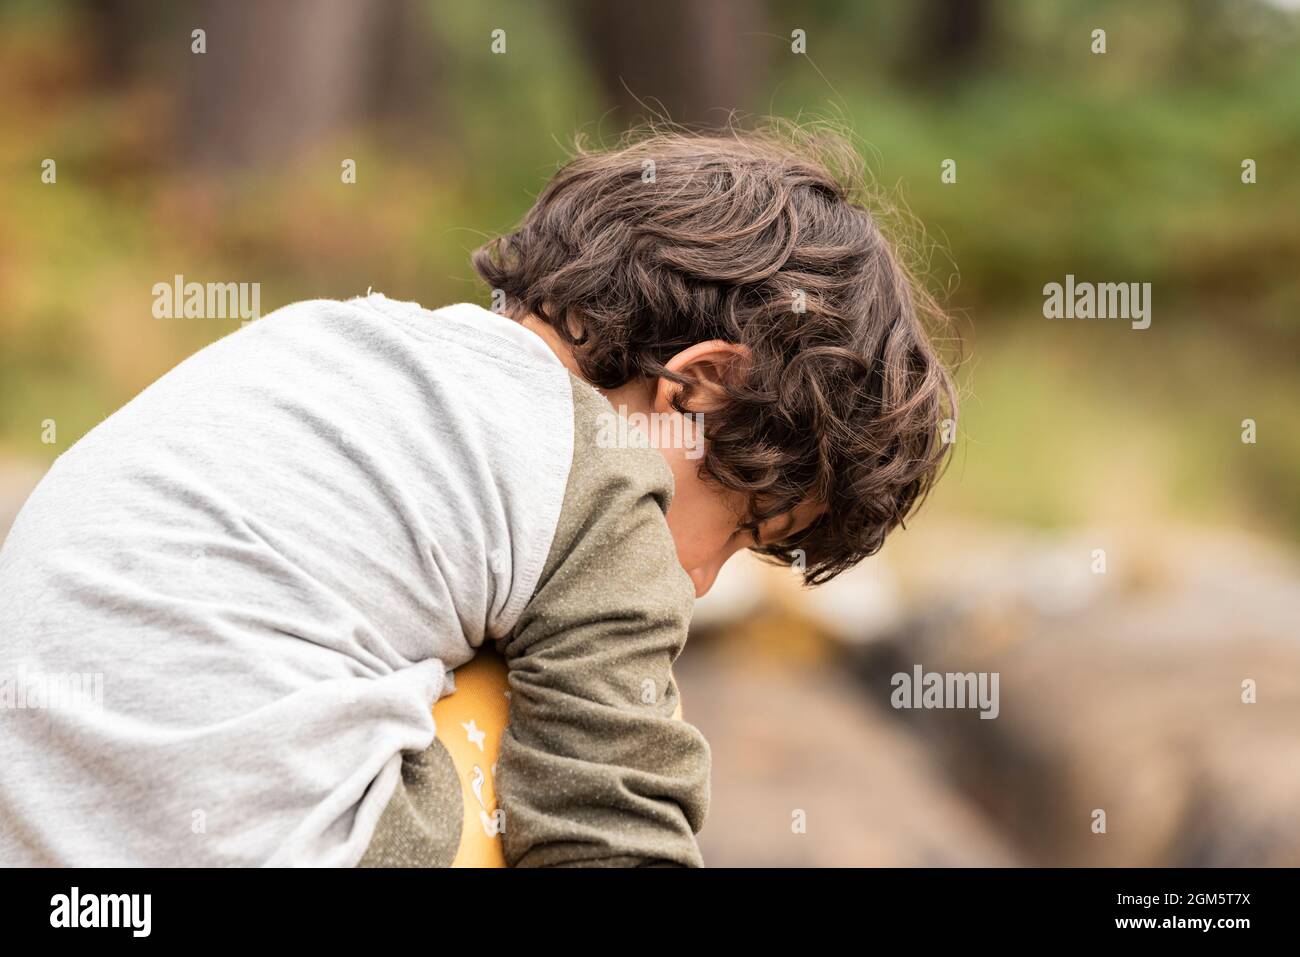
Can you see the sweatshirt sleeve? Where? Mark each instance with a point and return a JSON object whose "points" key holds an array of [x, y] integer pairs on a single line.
{"points": [[594, 769]]}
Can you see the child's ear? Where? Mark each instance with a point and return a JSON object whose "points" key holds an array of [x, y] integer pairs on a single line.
{"points": [[710, 364]]}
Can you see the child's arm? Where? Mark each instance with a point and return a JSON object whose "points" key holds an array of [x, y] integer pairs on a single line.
{"points": [[594, 769]]}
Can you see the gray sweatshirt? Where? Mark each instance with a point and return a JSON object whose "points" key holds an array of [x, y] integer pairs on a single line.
{"points": [[226, 612]]}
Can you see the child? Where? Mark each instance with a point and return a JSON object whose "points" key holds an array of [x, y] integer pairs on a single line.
{"points": [[274, 557]]}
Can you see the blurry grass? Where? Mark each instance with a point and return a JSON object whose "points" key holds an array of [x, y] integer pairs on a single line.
{"points": [[1069, 424]]}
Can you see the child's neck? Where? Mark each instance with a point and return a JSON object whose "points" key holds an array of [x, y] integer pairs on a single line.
{"points": [[634, 396]]}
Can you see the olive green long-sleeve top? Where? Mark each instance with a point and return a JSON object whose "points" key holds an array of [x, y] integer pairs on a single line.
{"points": [[594, 769]]}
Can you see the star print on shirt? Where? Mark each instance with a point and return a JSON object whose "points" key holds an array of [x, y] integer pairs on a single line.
{"points": [[472, 732]]}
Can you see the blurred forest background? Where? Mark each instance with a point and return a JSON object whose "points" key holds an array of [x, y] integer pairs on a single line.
{"points": [[1120, 691]]}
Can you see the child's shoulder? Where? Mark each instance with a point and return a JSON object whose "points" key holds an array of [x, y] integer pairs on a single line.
{"points": [[463, 325]]}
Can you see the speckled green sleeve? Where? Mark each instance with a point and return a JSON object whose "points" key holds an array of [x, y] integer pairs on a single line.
{"points": [[594, 769]]}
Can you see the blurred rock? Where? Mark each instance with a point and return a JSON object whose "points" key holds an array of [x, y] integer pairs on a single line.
{"points": [[1131, 704], [797, 743], [1119, 690]]}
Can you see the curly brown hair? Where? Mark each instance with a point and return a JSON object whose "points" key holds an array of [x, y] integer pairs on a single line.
{"points": [[756, 238]]}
